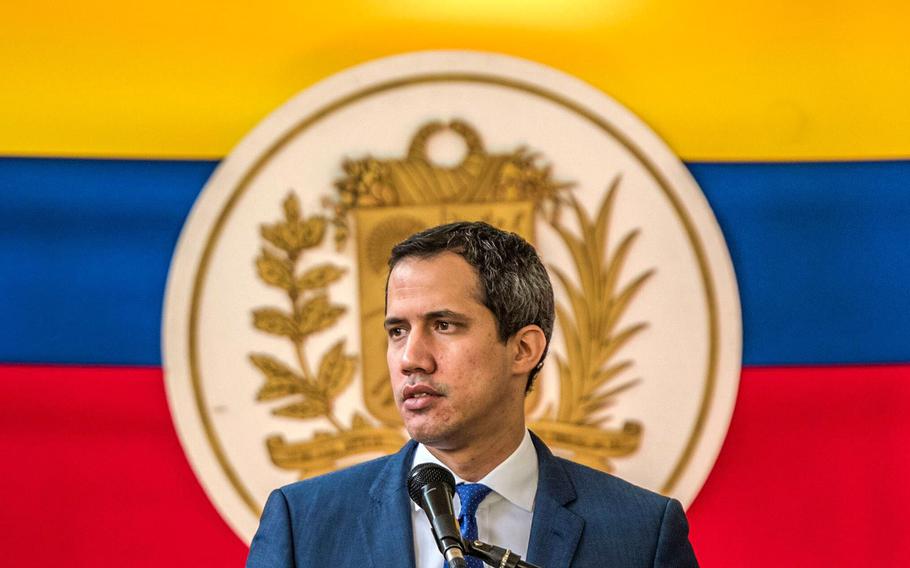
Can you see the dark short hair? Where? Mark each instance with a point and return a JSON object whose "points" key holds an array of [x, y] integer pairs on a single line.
{"points": [[514, 283]]}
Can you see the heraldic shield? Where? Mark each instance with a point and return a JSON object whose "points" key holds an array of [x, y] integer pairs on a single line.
{"points": [[409, 195], [383, 201]]}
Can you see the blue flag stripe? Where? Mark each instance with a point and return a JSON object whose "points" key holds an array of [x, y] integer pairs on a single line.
{"points": [[820, 252]]}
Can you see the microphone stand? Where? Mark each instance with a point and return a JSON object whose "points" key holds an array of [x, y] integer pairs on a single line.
{"points": [[495, 556]]}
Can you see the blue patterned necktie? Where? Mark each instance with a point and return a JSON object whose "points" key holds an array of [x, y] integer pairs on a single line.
{"points": [[470, 495]]}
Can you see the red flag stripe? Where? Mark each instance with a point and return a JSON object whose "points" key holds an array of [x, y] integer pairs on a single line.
{"points": [[813, 472], [95, 475]]}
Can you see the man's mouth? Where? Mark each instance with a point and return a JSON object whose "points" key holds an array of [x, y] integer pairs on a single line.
{"points": [[419, 396]]}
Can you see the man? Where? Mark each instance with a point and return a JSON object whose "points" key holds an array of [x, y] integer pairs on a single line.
{"points": [[469, 316]]}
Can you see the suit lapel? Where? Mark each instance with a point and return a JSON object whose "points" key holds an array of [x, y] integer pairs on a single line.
{"points": [[387, 529], [555, 530], [388, 534]]}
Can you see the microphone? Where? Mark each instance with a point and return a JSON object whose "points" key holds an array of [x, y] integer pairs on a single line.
{"points": [[432, 486]]}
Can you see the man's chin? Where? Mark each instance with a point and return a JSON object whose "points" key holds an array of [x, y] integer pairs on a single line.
{"points": [[431, 437]]}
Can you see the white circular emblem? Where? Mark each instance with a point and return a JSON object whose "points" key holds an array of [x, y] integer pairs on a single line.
{"points": [[274, 352]]}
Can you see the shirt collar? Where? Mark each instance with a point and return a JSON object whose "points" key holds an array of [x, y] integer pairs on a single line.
{"points": [[515, 479]]}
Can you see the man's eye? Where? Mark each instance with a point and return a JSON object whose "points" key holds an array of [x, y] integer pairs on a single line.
{"points": [[396, 332], [443, 325]]}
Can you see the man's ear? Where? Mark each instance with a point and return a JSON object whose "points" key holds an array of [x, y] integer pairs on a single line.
{"points": [[529, 343]]}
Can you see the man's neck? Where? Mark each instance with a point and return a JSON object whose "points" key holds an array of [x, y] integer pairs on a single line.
{"points": [[473, 462]]}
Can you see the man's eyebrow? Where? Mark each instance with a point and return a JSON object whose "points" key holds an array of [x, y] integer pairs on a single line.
{"points": [[392, 321], [438, 314], [445, 314]]}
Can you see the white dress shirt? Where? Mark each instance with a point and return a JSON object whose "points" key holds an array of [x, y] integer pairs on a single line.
{"points": [[503, 518]]}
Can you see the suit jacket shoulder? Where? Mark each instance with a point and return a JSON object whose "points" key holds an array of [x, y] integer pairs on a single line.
{"points": [[338, 518], [585, 517], [341, 490]]}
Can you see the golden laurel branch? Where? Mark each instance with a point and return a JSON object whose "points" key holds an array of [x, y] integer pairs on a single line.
{"points": [[312, 393], [588, 373]]}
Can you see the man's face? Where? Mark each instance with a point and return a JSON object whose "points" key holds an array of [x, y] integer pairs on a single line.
{"points": [[451, 375]]}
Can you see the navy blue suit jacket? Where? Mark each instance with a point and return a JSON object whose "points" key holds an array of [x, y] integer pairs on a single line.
{"points": [[361, 516]]}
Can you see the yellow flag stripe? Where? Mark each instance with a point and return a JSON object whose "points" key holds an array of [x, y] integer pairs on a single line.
{"points": [[716, 79]]}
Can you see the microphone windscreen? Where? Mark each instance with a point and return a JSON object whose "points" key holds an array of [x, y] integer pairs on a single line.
{"points": [[425, 473]]}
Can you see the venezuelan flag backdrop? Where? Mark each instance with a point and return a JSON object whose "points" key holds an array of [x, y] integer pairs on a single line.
{"points": [[793, 117]]}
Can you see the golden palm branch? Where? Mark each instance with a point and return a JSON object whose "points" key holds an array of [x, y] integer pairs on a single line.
{"points": [[590, 321]]}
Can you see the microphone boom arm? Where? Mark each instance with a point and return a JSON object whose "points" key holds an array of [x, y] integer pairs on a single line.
{"points": [[495, 556]]}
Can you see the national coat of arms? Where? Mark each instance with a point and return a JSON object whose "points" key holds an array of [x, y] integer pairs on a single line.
{"points": [[382, 201], [273, 344]]}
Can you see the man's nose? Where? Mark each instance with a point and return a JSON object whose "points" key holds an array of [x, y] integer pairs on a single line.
{"points": [[417, 355]]}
